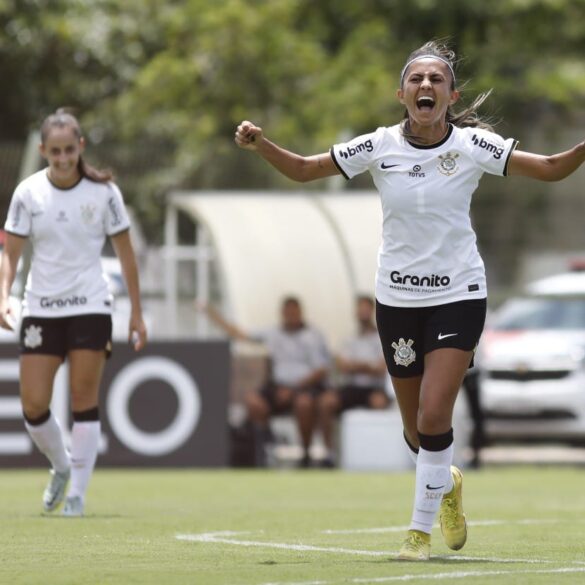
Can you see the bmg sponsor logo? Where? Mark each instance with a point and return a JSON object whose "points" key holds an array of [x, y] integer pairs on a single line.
{"points": [[489, 146], [17, 214], [353, 150], [116, 218]]}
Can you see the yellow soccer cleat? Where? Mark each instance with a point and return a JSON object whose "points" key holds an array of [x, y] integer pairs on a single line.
{"points": [[416, 547], [453, 525]]}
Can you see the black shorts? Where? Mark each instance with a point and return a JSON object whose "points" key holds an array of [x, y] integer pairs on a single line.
{"points": [[357, 396], [59, 335], [269, 391], [407, 334]]}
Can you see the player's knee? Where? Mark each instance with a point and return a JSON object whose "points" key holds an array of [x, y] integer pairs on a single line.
{"points": [[83, 403], [34, 409], [432, 421], [83, 398]]}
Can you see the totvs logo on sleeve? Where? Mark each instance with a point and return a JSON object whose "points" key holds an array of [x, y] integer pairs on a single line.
{"points": [[353, 150], [17, 213], [489, 146]]}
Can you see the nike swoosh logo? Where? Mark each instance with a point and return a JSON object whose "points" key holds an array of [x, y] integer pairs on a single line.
{"points": [[441, 336], [385, 166], [435, 488]]}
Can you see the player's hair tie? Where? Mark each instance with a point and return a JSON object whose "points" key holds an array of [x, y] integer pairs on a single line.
{"points": [[403, 73]]}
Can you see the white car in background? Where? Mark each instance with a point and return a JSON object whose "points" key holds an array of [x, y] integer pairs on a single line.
{"points": [[532, 364]]}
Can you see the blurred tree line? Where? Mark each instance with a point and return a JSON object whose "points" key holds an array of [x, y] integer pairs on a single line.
{"points": [[160, 84]]}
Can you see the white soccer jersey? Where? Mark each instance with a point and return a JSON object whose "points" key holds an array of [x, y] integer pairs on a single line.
{"points": [[67, 228], [428, 254]]}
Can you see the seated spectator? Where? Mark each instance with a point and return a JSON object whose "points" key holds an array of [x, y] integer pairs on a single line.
{"points": [[299, 362], [362, 374]]}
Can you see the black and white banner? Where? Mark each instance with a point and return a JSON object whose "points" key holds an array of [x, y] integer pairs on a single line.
{"points": [[164, 406]]}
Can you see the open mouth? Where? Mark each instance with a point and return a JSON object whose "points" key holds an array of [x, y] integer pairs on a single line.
{"points": [[425, 103]]}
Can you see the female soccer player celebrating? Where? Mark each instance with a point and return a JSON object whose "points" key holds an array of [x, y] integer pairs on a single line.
{"points": [[430, 283], [66, 211]]}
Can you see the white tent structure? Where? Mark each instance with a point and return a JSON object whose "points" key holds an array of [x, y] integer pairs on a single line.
{"points": [[357, 221], [320, 247]]}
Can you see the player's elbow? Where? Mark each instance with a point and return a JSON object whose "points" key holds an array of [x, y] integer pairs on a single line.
{"points": [[305, 172], [299, 177], [552, 171]]}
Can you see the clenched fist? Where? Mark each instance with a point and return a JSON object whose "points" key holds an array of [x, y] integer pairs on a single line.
{"points": [[248, 135]]}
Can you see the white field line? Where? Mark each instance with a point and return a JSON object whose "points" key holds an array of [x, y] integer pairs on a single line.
{"points": [[437, 576], [386, 529], [221, 538], [224, 538]]}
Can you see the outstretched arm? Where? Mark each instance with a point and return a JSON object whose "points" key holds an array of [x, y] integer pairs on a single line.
{"points": [[547, 168], [295, 167], [216, 317]]}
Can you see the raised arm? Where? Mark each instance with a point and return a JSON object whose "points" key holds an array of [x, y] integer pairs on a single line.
{"points": [[547, 168], [295, 167], [125, 252], [216, 317], [13, 247]]}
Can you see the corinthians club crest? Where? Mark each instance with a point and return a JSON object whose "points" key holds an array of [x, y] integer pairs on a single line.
{"points": [[88, 213], [33, 336], [404, 355], [448, 164]]}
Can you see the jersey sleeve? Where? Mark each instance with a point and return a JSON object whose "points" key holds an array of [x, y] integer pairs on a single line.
{"points": [[490, 151], [18, 219], [117, 220], [355, 157]]}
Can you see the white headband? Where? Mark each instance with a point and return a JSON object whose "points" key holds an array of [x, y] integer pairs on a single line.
{"points": [[426, 57]]}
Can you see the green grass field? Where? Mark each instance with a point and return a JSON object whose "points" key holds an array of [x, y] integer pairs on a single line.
{"points": [[302, 528]]}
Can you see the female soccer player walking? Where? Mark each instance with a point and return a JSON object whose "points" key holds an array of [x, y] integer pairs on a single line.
{"points": [[430, 283], [66, 211]]}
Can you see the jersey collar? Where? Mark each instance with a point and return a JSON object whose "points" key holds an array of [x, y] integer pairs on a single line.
{"points": [[436, 144], [63, 188]]}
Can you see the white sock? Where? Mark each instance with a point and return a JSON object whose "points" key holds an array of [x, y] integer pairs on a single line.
{"points": [[49, 440], [433, 479], [84, 447]]}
